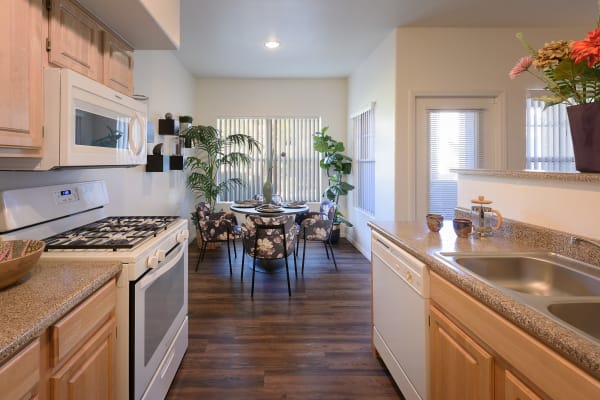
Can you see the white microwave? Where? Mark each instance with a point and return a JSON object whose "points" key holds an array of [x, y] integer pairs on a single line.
{"points": [[87, 125]]}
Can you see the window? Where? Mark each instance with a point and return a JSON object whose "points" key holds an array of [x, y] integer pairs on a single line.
{"points": [[549, 146], [296, 172], [363, 126], [454, 143]]}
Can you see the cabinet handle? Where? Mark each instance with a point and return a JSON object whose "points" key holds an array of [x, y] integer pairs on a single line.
{"points": [[408, 276]]}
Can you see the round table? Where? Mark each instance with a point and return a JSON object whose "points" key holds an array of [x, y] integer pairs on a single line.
{"points": [[284, 210], [269, 266]]}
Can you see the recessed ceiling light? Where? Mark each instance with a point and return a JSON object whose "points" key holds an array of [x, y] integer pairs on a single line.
{"points": [[272, 44]]}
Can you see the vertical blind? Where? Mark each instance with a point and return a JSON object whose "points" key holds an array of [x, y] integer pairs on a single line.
{"points": [[549, 146], [363, 126], [453, 143], [287, 141]]}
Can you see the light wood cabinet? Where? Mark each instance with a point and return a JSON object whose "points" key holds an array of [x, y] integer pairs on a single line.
{"points": [[515, 389], [20, 376], [90, 373], [80, 42], [21, 106], [74, 39], [462, 331], [82, 349], [460, 368], [117, 59]]}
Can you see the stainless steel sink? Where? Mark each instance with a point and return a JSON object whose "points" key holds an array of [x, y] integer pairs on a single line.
{"points": [[533, 275], [566, 290], [583, 316]]}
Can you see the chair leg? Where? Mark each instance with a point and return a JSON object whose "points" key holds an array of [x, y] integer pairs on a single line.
{"points": [[295, 265], [200, 256], [287, 272], [243, 257], [326, 251], [332, 256], [303, 253], [253, 273], [229, 255], [234, 249]]}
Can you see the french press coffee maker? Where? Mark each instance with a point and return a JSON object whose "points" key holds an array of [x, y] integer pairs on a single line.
{"points": [[479, 207]]}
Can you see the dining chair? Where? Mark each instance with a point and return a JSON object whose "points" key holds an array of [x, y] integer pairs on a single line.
{"points": [[269, 238], [216, 227], [317, 227]]}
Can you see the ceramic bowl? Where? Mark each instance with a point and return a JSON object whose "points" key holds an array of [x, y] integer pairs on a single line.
{"points": [[435, 222], [462, 227], [17, 258]]}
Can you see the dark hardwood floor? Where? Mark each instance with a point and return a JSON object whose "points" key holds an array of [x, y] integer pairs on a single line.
{"points": [[314, 345]]}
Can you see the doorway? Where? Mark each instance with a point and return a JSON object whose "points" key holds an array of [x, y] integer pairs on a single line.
{"points": [[453, 133]]}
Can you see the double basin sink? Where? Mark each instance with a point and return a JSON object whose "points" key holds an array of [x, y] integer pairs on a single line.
{"points": [[557, 286]]}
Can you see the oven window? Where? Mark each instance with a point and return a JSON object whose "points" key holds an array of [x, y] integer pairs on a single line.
{"points": [[163, 301], [101, 131]]}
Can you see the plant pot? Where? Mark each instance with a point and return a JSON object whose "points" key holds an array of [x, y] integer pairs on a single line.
{"points": [[584, 120], [335, 234]]}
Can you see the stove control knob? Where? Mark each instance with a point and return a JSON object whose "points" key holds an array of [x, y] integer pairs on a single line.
{"points": [[161, 255], [152, 262], [183, 236]]}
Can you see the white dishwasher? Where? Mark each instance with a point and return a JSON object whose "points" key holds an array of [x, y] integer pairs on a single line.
{"points": [[401, 315]]}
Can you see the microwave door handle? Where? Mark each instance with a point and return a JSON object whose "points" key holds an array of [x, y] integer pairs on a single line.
{"points": [[161, 270], [135, 146]]}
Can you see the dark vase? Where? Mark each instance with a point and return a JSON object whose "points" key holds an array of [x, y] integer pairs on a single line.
{"points": [[584, 120], [335, 234]]}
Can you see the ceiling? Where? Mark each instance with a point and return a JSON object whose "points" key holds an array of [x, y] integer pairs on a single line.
{"points": [[329, 38]]}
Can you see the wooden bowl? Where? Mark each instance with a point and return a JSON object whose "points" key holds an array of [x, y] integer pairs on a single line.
{"points": [[17, 258]]}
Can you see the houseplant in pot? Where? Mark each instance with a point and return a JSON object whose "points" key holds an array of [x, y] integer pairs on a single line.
{"points": [[211, 151], [336, 165], [570, 71]]}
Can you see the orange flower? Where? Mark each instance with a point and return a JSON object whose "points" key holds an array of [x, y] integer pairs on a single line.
{"points": [[587, 49]]}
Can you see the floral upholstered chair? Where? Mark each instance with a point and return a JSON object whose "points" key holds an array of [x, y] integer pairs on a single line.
{"points": [[317, 227], [216, 227], [269, 238]]}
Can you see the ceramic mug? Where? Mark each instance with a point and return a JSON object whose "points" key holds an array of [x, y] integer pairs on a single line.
{"points": [[435, 222], [462, 227]]}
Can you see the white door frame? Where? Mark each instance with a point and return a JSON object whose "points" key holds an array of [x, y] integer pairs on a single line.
{"points": [[494, 150]]}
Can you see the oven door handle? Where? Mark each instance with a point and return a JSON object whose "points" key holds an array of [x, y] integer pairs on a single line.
{"points": [[170, 263]]}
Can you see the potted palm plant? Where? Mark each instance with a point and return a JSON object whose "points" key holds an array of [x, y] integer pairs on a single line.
{"points": [[336, 165], [211, 151]]}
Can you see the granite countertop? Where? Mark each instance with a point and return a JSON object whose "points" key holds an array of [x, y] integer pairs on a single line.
{"points": [[45, 295], [416, 239]]}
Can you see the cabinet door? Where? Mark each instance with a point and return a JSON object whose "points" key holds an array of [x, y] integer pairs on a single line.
{"points": [[117, 64], [21, 112], [19, 377], [74, 39], [460, 369], [515, 389], [90, 373]]}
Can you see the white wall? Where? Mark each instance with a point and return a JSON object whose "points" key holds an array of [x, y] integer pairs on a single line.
{"points": [[374, 81], [555, 204], [325, 98], [133, 191]]}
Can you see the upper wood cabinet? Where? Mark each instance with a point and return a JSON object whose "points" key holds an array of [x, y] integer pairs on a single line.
{"points": [[74, 39], [117, 63], [80, 42], [21, 106]]}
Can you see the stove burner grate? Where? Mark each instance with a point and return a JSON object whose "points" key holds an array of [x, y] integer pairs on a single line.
{"points": [[111, 233]]}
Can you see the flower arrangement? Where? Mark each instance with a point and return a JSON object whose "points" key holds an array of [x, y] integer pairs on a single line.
{"points": [[569, 69]]}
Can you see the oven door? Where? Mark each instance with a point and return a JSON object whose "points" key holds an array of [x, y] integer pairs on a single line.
{"points": [[158, 309]]}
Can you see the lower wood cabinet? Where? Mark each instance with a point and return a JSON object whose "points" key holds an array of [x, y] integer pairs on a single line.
{"points": [[20, 376], [74, 359], [89, 374], [460, 368], [477, 354]]}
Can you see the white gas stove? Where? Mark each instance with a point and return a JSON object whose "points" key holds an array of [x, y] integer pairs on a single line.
{"points": [[151, 290]]}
